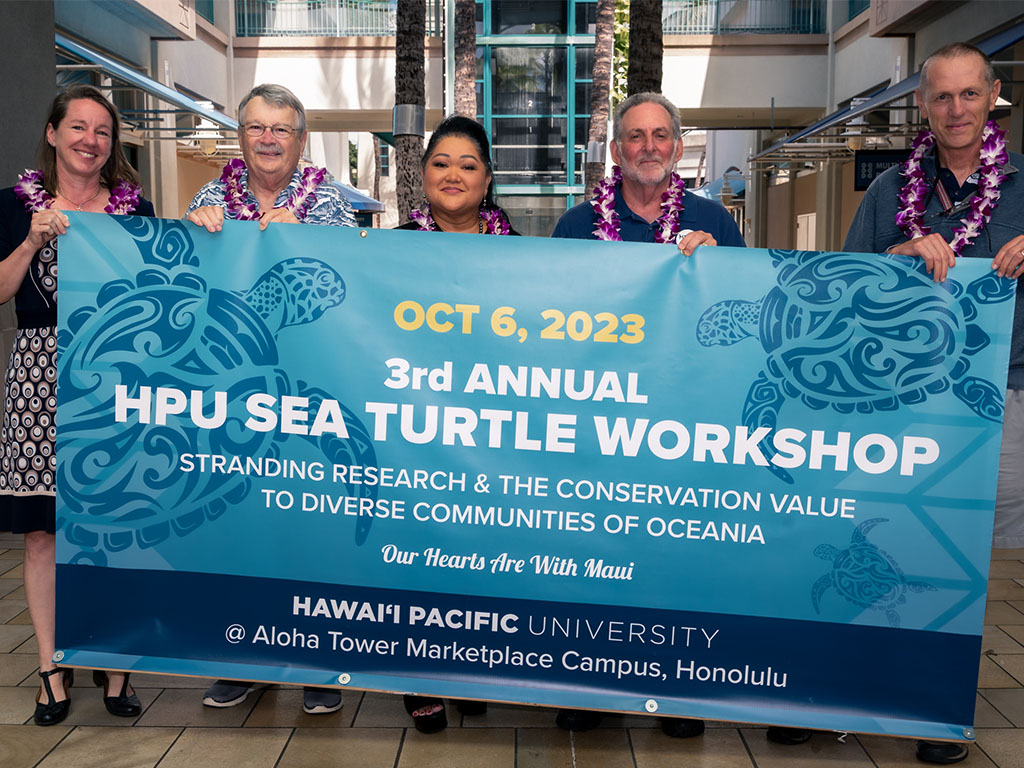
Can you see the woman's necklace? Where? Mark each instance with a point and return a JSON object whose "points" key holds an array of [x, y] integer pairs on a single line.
{"points": [[608, 223], [78, 206]]}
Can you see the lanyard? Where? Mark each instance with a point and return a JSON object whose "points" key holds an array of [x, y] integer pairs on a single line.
{"points": [[943, 194]]}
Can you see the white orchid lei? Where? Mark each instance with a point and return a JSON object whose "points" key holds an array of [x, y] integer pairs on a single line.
{"points": [[913, 197], [608, 222], [299, 201]]}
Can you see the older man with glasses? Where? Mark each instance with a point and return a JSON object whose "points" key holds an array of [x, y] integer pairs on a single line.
{"points": [[268, 185]]}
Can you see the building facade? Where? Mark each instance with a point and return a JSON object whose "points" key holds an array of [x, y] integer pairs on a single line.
{"points": [[746, 75]]}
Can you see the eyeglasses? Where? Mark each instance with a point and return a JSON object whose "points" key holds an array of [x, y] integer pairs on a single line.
{"points": [[279, 131]]}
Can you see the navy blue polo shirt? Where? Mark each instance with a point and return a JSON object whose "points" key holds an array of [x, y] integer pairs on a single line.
{"points": [[698, 212], [953, 188]]}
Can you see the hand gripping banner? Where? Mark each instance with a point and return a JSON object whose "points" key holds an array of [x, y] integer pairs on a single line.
{"points": [[747, 485]]}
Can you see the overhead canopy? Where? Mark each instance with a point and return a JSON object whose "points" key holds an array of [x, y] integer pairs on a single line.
{"points": [[991, 46], [129, 76], [879, 99], [118, 71], [377, 121], [360, 203], [713, 189], [731, 118]]}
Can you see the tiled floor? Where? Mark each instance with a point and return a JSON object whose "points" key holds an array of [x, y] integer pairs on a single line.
{"points": [[372, 730]]}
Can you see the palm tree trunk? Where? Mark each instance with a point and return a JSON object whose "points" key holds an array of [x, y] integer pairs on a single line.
{"points": [[465, 58], [410, 30], [645, 47], [604, 39], [376, 176]]}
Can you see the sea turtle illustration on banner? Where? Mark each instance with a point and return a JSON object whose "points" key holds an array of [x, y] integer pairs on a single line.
{"points": [[122, 484], [858, 334], [865, 575]]}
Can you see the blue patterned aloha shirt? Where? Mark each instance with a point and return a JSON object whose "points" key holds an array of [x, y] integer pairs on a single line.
{"points": [[330, 209]]}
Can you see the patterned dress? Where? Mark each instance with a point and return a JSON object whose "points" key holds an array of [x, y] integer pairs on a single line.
{"points": [[28, 462]]}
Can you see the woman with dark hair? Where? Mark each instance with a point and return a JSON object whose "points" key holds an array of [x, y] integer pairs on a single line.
{"points": [[458, 182], [81, 168]]}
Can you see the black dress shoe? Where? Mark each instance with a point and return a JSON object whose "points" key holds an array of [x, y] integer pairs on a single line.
{"points": [[124, 704], [787, 736], [471, 708], [941, 752], [681, 727], [53, 712], [577, 719]]}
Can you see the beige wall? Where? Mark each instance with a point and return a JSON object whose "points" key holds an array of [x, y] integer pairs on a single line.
{"points": [[785, 203], [863, 62], [789, 200], [346, 73], [192, 174], [201, 66], [745, 71]]}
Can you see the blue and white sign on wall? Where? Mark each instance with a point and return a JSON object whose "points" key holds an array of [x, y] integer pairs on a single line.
{"points": [[746, 485]]}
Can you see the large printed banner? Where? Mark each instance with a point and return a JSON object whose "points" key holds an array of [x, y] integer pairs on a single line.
{"points": [[746, 485]]}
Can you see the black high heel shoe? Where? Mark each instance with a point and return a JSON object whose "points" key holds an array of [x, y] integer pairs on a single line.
{"points": [[123, 704], [432, 716], [54, 712]]}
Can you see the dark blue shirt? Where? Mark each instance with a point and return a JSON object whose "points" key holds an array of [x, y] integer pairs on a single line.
{"points": [[698, 212], [955, 191]]}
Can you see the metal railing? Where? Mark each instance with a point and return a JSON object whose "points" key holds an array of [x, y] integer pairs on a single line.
{"points": [[324, 18], [733, 17]]}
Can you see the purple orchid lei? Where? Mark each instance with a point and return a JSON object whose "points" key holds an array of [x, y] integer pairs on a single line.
{"points": [[30, 191], [424, 219], [299, 201], [123, 199], [233, 194], [914, 195], [303, 196], [608, 222], [494, 220]]}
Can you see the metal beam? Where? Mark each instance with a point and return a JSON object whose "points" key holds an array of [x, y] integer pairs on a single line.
{"points": [[147, 84], [879, 99]]}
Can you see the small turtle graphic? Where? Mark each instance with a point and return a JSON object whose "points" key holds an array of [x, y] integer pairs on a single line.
{"points": [[865, 575], [858, 334], [167, 329]]}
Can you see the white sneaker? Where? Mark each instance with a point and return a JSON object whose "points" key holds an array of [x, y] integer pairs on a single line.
{"points": [[226, 693], [320, 701]]}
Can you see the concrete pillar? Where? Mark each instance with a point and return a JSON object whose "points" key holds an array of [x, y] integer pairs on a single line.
{"points": [[757, 210], [28, 70], [161, 175], [344, 166], [828, 206], [367, 160]]}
